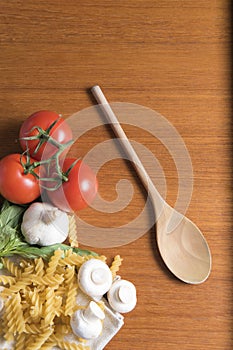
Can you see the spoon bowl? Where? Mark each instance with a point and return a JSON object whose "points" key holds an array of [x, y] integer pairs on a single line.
{"points": [[182, 246]]}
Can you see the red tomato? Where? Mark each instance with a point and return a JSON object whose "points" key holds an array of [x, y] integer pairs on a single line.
{"points": [[80, 189], [15, 186], [60, 132]]}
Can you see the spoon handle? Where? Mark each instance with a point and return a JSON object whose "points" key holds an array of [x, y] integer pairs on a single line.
{"points": [[156, 198]]}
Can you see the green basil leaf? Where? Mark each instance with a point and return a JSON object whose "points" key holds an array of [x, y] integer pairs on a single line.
{"points": [[11, 216], [5, 205]]}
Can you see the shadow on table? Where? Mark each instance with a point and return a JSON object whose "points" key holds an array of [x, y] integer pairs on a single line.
{"points": [[9, 131]]}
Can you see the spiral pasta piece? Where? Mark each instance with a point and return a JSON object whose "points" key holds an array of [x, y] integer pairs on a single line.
{"points": [[71, 285], [72, 259], [20, 342], [6, 332], [73, 232], [70, 300], [72, 346], [48, 345], [99, 257], [15, 288], [116, 265], [15, 318], [58, 305], [39, 340], [52, 280], [11, 267], [24, 263], [7, 280], [69, 275], [28, 270], [36, 308], [39, 267], [49, 309], [32, 328], [53, 262]]}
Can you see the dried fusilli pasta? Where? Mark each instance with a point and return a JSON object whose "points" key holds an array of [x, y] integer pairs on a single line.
{"points": [[11, 267], [40, 298], [49, 309], [39, 267], [71, 297], [14, 314], [53, 262], [7, 280], [20, 342], [32, 328], [72, 346], [39, 340], [73, 232], [115, 265], [72, 259]]}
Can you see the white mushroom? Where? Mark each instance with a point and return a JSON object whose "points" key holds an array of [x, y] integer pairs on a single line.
{"points": [[94, 278], [87, 324], [122, 296], [44, 224]]}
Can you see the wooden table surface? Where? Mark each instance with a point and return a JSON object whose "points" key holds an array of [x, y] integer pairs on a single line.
{"points": [[172, 56]]}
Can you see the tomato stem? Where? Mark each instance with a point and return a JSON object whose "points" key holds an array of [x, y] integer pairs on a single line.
{"points": [[71, 167], [44, 136]]}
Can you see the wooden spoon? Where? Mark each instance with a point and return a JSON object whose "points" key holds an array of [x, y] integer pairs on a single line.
{"points": [[182, 246]]}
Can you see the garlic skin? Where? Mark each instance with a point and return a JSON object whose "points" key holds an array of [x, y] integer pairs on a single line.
{"points": [[87, 324], [122, 296], [94, 278], [44, 224]]}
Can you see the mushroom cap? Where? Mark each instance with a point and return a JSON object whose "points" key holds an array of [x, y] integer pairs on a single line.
{"points": [[94, 278], [122, 296], [87, 323]]}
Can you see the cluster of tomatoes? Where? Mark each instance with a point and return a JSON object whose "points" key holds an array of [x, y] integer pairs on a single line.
{"points": [[68, 183]]}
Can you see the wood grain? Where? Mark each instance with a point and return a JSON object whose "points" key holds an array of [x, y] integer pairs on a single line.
{"points": [[173, 57]]}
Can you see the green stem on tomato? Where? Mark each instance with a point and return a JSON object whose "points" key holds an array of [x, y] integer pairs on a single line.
{"points": [[44, 136], [29, 167]]}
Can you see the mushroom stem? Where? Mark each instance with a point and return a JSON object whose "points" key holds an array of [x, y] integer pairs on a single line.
{"points": [[93, 312]]}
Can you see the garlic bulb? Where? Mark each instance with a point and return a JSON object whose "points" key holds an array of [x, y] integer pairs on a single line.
{"points": [[94, 278], [122, 296], [44, 224], [87, 324]]}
